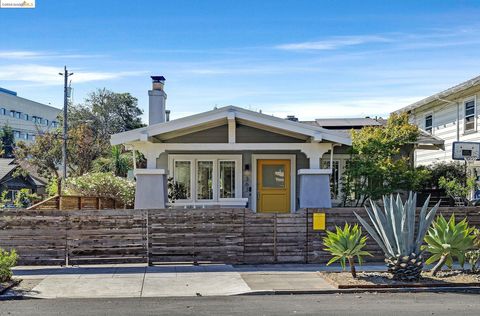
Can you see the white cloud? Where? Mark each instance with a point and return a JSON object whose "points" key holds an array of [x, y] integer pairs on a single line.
{"points": [[381, 106], [19, 54], [48, 75], [25, 55], [334, 43]]}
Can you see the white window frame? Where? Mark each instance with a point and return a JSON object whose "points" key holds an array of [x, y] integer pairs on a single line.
{"points": [[465, 101], [194, 159], [425, 122]]}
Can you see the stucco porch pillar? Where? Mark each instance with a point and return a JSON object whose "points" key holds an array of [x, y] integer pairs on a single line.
{"points": [[315, 188], [151, 189]]}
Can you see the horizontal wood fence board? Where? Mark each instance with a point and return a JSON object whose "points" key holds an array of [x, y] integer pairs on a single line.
{"points": [[84, 236]]}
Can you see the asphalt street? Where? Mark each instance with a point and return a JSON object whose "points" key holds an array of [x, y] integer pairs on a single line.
{"points": [[325, 304]]}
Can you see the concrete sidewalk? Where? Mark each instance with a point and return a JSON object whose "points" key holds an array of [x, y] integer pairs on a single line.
{"points": [[138, 280]]}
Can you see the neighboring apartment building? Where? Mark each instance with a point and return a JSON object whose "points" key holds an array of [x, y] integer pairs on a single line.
{"points": [[26, 118], [450, 115]]}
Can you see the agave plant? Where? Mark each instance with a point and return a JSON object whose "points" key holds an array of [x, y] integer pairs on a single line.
{"points": [[447, 240], [399, 235], [346, 244]]}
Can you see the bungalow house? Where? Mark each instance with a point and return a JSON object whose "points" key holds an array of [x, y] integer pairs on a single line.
{"points": [[231, 156], [12, 183], [450, 115]]}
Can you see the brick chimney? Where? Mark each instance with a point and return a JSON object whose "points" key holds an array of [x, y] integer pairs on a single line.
{"points": [[156, 101]]}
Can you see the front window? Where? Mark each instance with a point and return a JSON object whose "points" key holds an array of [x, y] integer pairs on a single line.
{"points": [[182, 176], [273, 176], [470, 115], [429, 123], [227, 179], [205, 178]]}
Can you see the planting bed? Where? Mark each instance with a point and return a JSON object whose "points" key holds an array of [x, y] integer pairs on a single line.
{"points": [[4, 286], [372, 280]]}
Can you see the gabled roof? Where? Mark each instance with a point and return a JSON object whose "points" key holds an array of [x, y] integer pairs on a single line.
{"points": [[347, 122], [222, 114], [443, 94], [6, 166]]}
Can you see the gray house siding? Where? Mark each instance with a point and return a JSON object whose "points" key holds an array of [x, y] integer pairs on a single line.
{"points": [[244, 134], [217, 134], [247, 134]]}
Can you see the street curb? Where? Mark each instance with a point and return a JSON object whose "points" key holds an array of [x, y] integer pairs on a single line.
{"points": [[360, 290]]}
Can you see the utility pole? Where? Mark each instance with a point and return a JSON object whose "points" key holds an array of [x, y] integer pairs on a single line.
{"points": [[65, 74]]}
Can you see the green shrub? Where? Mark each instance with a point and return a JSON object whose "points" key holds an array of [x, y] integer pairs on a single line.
{"points": [[448, 170], [456, 188], [8, 259], [24, 198], [345, 245], [473, 259], [476, 240], [447, 241], [102, 185]]}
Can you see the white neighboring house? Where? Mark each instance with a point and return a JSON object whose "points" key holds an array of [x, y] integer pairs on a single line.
{"points": [[450, 115], [25, 117]]}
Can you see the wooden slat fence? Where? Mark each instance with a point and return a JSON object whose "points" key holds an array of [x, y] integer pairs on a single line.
{"points": [[107, 236], [177, 235], [74, 202], [195, 235]]}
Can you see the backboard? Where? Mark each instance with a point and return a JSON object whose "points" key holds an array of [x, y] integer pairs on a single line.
{"points": [[462, 150]]}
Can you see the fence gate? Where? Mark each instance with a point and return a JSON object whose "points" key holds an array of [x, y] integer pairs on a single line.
{"points": [[195, 235], [107, 236]]}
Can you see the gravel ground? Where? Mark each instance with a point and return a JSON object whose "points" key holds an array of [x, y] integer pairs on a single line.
{"points": [[378, 278], [23, 288]]}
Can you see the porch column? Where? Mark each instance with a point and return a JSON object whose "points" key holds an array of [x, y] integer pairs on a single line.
{"points": [[315, 188], [151, 189]]}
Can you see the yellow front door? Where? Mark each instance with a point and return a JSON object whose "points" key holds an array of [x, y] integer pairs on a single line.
{"points": [[273, 185]]}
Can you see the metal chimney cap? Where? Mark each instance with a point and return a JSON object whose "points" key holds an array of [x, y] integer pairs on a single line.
{"points": [[158, 78]]}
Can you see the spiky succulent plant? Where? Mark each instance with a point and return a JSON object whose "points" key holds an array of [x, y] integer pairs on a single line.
{"points": [[397, 232]]}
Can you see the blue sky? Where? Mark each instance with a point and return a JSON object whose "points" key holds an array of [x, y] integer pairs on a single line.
{"points": [[308, 58]]}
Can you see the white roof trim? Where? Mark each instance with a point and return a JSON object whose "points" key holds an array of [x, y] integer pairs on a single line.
{"points": [[228, 112], [440, 95]]}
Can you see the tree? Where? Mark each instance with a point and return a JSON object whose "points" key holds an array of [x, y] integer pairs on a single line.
{"points": [[90, 127], [108, 112], [380, 161], [84, 146], [45, 153], [118, 162], [7, 140]]}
